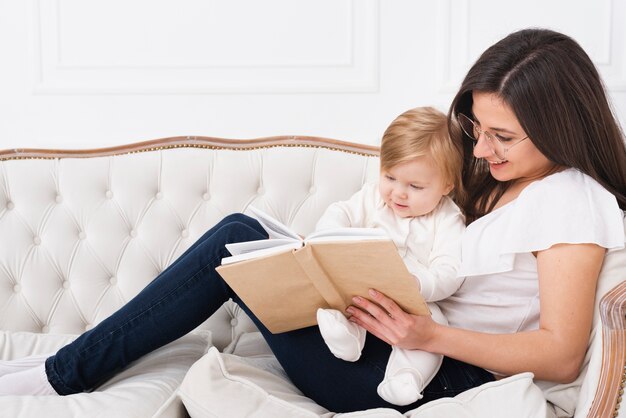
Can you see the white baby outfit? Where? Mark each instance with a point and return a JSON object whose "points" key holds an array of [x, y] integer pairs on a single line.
{"points": [[430, 246]]}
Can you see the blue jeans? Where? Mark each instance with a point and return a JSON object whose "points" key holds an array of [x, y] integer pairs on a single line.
{"points": [[189, 291]]}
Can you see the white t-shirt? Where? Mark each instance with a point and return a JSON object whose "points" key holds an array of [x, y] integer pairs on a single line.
{"points": [[429, 245], [500, 293]]}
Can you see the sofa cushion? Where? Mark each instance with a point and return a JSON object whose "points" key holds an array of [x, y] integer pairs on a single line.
{"points": [[146, 389], [250, 382], [18, 344], [515, 396]]}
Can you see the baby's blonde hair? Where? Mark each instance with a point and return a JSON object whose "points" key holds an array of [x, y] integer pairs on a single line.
{"points": [[419, 132]]}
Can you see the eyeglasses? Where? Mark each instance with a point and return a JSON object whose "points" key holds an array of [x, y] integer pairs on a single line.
{"points": [[498, 144]]}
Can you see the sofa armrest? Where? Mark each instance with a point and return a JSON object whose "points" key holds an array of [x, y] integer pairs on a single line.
{"points": [[608, 397]]}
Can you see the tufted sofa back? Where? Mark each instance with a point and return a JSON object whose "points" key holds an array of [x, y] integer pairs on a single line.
{"points": [[83, 232]]}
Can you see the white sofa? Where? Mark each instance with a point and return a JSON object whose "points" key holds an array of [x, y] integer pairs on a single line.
{"points": [[81, 232]]}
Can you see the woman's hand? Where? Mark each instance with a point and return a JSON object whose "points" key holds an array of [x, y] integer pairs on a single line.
{"points": [[382, 317]]}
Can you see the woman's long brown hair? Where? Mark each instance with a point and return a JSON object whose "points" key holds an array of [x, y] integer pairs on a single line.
{"points": [[556, 93]]}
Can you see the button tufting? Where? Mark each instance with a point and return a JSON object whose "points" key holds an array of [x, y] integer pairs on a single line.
{"points": [[109, 194], [17, 288], [312, 190], [184, 233], [88, 327], [45, 329], [206, 196], [82, 235], [158, 196], [10, 205], [37, 240], [234, 322], [113, 281], [133, 233], [58, 199], [260, 190], [66, 284]]}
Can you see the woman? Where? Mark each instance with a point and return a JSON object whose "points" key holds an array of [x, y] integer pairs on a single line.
{"points": [[538, 131]]}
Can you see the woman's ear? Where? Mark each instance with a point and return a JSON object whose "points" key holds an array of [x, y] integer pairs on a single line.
{"points": [[449, 187]]}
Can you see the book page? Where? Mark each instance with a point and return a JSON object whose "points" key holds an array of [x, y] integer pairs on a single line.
{"points": [[347, 234], [274, 228], [263, 248], [236, 248], [282, 238], [279, 231]]}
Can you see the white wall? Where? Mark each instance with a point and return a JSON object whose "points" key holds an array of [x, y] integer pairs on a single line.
{"points": [[89, 73]]}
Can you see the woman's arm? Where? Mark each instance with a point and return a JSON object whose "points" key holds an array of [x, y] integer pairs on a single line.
{"points": [[568, 274]]}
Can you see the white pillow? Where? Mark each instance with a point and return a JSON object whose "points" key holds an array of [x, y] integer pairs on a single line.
{"points": [[515, 396], [145, 389], [18, 344], [227, 385]]}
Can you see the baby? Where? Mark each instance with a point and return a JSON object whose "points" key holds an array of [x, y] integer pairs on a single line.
{"points": [[419, 166]]}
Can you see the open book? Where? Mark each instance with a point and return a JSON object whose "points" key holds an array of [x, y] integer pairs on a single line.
{"points": [[285, 279]]}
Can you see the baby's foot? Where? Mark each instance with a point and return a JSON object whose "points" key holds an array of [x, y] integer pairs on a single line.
{"points": [[403, 388], [345, 339]]}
